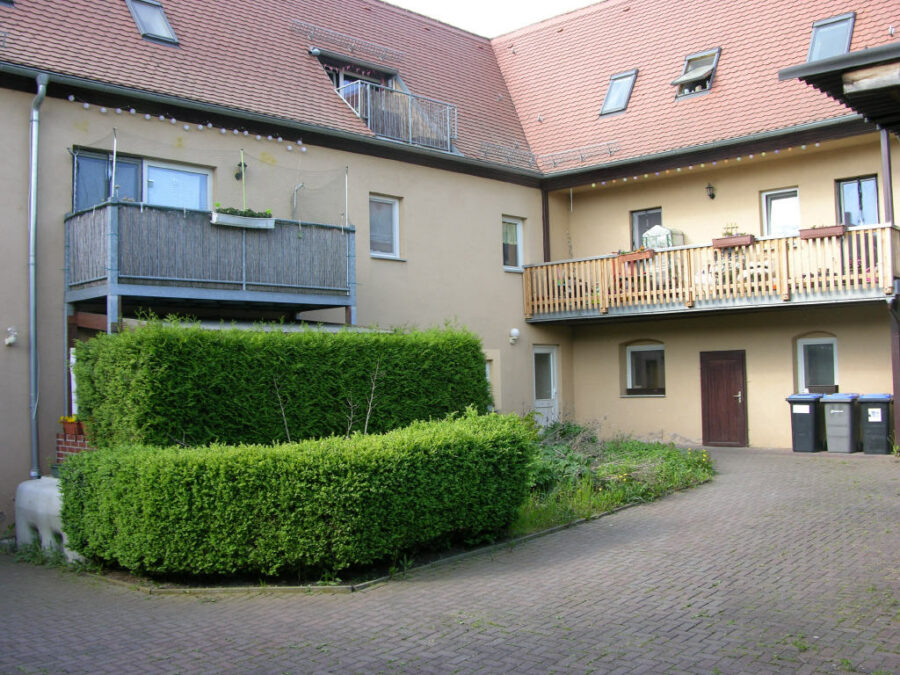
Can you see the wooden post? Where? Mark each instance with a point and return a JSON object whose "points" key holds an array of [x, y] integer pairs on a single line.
{"points": [[886, 180]]}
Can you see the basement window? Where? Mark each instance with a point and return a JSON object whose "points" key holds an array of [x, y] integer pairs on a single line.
{"points": [[697, 76], [831, 37], [151, 20], [619, 92]]}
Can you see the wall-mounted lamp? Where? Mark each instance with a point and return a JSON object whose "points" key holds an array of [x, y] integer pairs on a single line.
{"points": [[241, 168], [11, 335], [513, 335], [314, 51], [710, 191]]}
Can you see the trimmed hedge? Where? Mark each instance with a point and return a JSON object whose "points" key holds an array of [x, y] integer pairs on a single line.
{"points": [[167, 383], [328, 503]]}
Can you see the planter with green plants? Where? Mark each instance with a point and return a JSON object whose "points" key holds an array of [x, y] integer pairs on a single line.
{"points": [[261, 220]]}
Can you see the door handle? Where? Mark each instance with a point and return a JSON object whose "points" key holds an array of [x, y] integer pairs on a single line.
{"points": [[739, 396]]}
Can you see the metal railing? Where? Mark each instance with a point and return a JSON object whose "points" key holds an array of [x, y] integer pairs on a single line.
{"points": [[401, 116], [861, 262]]}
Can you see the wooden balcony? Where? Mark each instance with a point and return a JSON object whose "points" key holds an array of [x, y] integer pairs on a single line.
{"points": [[772, 271], [140, 251]]}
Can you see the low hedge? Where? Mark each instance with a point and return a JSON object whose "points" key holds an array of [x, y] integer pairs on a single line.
{"points": [[324, 504], [171, 383]]}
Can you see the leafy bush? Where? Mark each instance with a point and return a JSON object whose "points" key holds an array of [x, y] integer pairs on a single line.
{"points": [[325, 504], [167, 383]]}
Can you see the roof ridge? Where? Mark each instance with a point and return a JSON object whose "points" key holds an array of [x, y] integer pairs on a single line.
{"points": [[428, 19], [560, 18]]}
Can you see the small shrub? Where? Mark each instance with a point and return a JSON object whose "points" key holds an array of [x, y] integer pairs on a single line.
{"points": [[325, 504]]}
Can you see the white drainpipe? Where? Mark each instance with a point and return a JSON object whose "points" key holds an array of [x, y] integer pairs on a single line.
{"points": [[42, 80]]}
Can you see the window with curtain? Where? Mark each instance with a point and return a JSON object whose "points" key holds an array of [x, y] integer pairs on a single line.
{"points": [[384, 225], [512, 243]]}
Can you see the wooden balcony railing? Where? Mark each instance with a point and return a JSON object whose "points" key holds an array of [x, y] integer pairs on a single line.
{"points": [[861, 262]]}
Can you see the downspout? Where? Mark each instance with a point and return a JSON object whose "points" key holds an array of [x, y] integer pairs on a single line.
{"points": [[42, 80]]}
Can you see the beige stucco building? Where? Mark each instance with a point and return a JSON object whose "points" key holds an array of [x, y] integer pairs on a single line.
{"points": [[487, 187]]}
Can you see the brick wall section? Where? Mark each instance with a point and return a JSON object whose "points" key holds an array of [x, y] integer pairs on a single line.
{"points": [[70, 444]]}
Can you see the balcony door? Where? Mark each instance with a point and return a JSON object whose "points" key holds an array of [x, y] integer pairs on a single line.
{"points": [[723, 397], [546, 401]]}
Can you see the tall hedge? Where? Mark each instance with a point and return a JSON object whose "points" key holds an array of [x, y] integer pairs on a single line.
{"points": [[327, 503], [166, 383]]}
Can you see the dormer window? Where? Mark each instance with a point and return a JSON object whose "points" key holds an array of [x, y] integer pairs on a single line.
{"points": [[619, 92], [151, 20], [831, 37], [698, 73]]}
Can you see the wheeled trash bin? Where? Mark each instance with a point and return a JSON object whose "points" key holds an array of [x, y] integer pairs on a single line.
{"points": [[841, 431], [807, 423], [875, 422]]}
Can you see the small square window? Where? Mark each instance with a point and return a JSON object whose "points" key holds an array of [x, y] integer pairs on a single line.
{"points": [[641, 221], [512, 244], [817, 365], [781, 212], [831, 37], [697, 76], [384, 227], [619, 92], [151, 20], [858, 201], [646, 375]]}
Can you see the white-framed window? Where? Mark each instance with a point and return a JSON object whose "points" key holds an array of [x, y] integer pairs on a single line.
{"points": [[817, 365], [619, 92], [858, 201], [698, 73], [645, 373], [151, 20], [831, 37], [384, 227], [176, 185], [781, 211], [512, 244], [641, 221]]}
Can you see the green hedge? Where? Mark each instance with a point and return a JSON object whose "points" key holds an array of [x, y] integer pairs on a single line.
{"points": [[167, 383], [328, 503]]}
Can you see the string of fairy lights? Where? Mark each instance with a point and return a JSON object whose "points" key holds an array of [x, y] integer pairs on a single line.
{"points": [[289, 146]]}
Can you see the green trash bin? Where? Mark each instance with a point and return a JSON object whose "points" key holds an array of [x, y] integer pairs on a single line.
{"points": [[875, 423]]}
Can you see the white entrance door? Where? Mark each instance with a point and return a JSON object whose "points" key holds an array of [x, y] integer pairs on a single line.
{"points": [[546, 402]]}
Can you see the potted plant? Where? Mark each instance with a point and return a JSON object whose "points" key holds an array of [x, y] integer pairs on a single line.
{"points": [[261, 220], [821, 231], [72, 426], [731, 237]]}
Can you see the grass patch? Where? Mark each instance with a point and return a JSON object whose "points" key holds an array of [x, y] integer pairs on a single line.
{"points": [[576, 476]]}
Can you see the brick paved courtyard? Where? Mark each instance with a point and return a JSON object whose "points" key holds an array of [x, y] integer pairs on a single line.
{"points": [[784, 563]]}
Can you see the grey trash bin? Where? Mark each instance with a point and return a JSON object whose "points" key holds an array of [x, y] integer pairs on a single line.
{"points": [[841, 431], [875, 422], [807, 423]]}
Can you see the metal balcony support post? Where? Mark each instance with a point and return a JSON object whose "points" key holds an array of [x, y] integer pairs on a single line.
{"points": [[886, 180], [113, 300], [243, 260], [409, 116], [351, 277]]}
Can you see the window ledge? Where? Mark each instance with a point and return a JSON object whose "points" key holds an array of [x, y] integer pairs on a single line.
{"points": [[642, 395], [382, 256], [514, 270]]}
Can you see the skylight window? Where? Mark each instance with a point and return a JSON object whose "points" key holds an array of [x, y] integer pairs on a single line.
{"points": [[697, 76], [151, 20], [619, 91], [831, 37]]}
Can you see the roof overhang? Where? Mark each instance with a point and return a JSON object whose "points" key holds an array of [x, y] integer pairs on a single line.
{"points": [[867, 80]]}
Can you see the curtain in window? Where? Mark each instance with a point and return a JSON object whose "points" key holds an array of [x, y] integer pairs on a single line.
{"points": [[381, 227], [91, 186], [176, 187], [510, 244]]}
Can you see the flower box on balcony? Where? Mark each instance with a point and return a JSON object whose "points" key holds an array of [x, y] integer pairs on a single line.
{"points": [[821, 232], [734, 240], [634, 256], [242, 221]]}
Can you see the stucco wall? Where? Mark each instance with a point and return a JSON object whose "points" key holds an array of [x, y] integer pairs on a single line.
{"points": [[769, 340]]}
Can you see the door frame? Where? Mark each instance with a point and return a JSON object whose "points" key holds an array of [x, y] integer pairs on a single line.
{"points": [[553, 351], [741, 356]]}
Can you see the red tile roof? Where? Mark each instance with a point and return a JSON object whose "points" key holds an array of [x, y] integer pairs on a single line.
{"points": [[537, 90]]}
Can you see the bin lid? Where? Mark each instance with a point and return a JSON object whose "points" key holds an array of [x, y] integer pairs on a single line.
{"points": [[839, 398], [803, 398], [875, 398]]}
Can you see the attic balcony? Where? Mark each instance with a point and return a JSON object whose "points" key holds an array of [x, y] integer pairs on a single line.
{"points": [[167, 256], [859, 265], [400, 116]]}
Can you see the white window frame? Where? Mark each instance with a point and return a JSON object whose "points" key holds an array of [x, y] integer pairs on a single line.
{"points": [[629, 377], [619, 77], [170, 37], [395, 224], [171, 166], [765, 198], [510, 220], [849, 18], [801, 361]]}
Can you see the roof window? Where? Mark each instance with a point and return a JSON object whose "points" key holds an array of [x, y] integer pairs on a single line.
{"points": [[831, 37], [151, 20], [698, 73], [619, 92]]}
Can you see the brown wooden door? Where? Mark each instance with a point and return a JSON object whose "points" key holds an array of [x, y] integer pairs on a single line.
{"points": [[723, 395]]}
